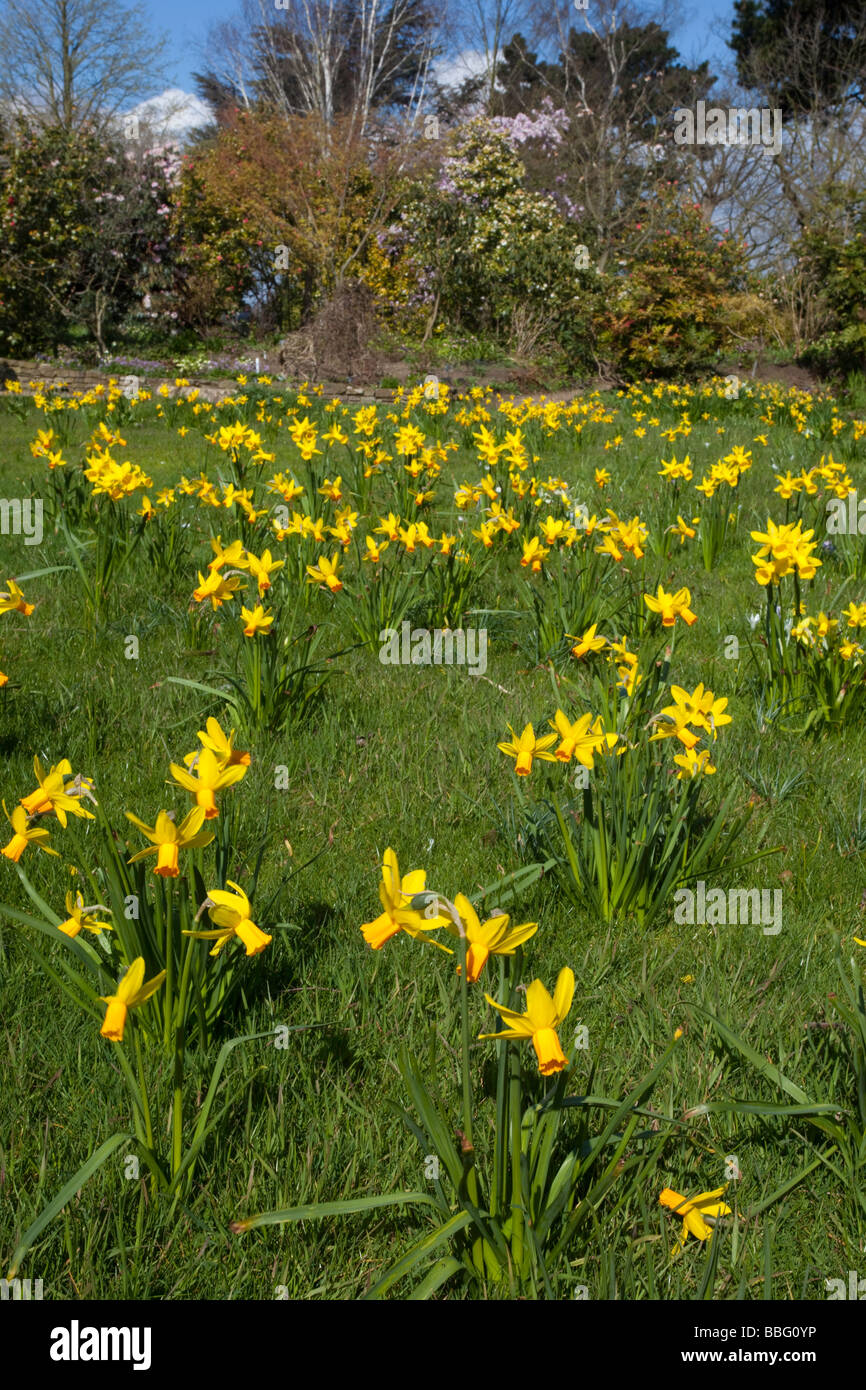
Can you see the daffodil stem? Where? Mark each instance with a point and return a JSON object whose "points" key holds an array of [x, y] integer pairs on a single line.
{"points": [[138, 1113], [464, 1028], [257, 682], [516, 1170], [179, 1044], [169, 967], [500, 1157], [145, 1103]]}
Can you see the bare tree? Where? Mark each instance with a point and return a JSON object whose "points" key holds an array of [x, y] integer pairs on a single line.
{"points": [[67, 62], [328, 58], [618, 79], [484, 30], [769, 197]]}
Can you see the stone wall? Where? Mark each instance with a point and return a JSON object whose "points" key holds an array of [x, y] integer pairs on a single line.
{"points": [[52, 378]]}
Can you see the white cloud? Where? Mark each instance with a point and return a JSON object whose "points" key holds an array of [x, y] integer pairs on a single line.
{"points": [[172, 114], [452, 72]]}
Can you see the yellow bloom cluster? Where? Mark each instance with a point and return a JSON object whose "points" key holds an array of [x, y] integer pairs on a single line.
{"points": [[408, 906], [784, 550]]}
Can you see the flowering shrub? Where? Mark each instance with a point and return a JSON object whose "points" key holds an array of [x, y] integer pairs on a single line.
{"points": [[86, 231], [833, 260], [670, 310], [484, 246]]}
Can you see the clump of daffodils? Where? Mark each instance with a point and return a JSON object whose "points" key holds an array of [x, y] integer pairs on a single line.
{"points": [[408, 906]]}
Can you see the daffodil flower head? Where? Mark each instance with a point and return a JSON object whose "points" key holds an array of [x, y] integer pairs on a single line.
{"points": [[220, 743], [699, 1213], [540, 1021], [54, 795], [491, 938], [398, 914], [527, 747], [23, 835], [231, 914], [80, 916], [131, 992], [167, 838], [211, 777]]}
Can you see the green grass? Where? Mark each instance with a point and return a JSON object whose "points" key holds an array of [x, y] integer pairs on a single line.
{"points": [[407, 757]]}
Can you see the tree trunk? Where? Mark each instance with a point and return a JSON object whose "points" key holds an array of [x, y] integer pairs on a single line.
{"points": [[432, 319]]}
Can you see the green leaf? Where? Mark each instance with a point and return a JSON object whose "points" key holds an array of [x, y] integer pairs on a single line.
{"points": [[416, 1253], [66, 1193], [320, 1210], [197, 685], [202, 1126], [782, 1191], [38, 574], [437, 1276], [758, 1062]]}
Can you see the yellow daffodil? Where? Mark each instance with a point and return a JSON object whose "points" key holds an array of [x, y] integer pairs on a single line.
{"points": [[395, 894], [491, 938], [540, 1021], [58, 792], [232, 555], [699, 1213], [23, 835], [210, 777], [578, 740], [12, 600], [527, 747], [609, 547], [693, 764], [671, 606], [700, 708], [683, 530], [262, 569], [80, 916], [131, 991], [216, 588], [167, 838], [221, 744], [373, 551], [332, 490], [673, 722], [326, 572], [408, 439], [256, 620], [589, 642], [231, 913], [783, 549], [389, 527], [533, 554]]}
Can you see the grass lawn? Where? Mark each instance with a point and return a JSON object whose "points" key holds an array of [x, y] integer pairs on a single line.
{"points": [[357, 756]]}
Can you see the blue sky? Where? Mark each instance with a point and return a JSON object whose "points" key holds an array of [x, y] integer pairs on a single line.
{"points": [[187, 23]]}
